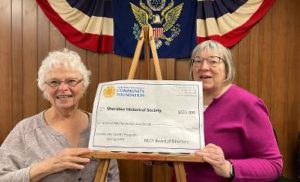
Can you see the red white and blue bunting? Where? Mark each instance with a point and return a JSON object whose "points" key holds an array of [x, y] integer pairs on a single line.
{"points": [[95, 24]]}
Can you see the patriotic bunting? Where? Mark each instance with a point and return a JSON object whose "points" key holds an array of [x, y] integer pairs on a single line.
{"points": [[114, 25], [228, 21], [85, 23]]}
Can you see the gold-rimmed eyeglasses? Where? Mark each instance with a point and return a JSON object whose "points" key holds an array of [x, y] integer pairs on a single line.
{"points": [[70, 82], [212, 61]]}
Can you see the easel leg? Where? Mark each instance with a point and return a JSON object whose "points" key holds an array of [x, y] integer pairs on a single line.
{"points": [[136, 56], [137, 53], [179, 171], [102, 170]]}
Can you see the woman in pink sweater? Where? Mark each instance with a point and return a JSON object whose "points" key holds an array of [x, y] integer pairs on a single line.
{"points": [[240, 142]]}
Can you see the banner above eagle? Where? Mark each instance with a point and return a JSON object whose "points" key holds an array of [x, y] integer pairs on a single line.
{"points": [[114, 25]]}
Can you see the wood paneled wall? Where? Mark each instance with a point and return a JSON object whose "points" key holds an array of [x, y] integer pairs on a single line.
{"points": [[267, 62]]}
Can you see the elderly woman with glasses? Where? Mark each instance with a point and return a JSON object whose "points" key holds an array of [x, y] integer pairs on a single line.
{"points": [[240, 142], [49, 146]]}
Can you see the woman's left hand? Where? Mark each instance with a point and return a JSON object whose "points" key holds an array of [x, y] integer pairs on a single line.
{"points": [[214, 155]]}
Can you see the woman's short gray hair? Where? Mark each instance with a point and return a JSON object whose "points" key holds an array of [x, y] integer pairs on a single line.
{"points": [[66, 58], [225, 54]]}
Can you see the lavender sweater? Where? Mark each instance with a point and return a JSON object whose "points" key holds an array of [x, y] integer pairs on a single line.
{"points": [[31, 141], [239, 123]]}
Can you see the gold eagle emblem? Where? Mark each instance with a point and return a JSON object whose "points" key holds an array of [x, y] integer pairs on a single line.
{"points": [[167, 17]]}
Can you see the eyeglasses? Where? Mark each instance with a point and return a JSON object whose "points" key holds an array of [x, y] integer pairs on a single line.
{"points": [[70, 82], [212, 61]]}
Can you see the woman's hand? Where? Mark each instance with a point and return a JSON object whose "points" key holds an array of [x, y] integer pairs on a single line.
{"points": [[66, 159], [214, 155]]}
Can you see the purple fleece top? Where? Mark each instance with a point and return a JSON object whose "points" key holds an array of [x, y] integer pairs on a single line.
{"points": [[239, 123]]}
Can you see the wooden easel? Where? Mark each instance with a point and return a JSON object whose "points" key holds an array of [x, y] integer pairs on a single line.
{"points": [[146, 37]]}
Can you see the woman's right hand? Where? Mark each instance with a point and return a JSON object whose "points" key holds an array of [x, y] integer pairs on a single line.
{"points": [[69, 158], [214, 155]]}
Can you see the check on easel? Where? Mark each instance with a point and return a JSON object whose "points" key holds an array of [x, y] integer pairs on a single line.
{"points": [[148, 116]]}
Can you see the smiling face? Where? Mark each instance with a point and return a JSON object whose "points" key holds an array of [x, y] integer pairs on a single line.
{"points": [[63, 97], [212, 76]]}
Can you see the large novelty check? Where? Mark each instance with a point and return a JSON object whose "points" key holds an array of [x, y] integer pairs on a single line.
{"points": [[148, 116]]}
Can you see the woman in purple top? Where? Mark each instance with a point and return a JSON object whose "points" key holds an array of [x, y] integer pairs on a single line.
{"points": [[240, 142]]}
